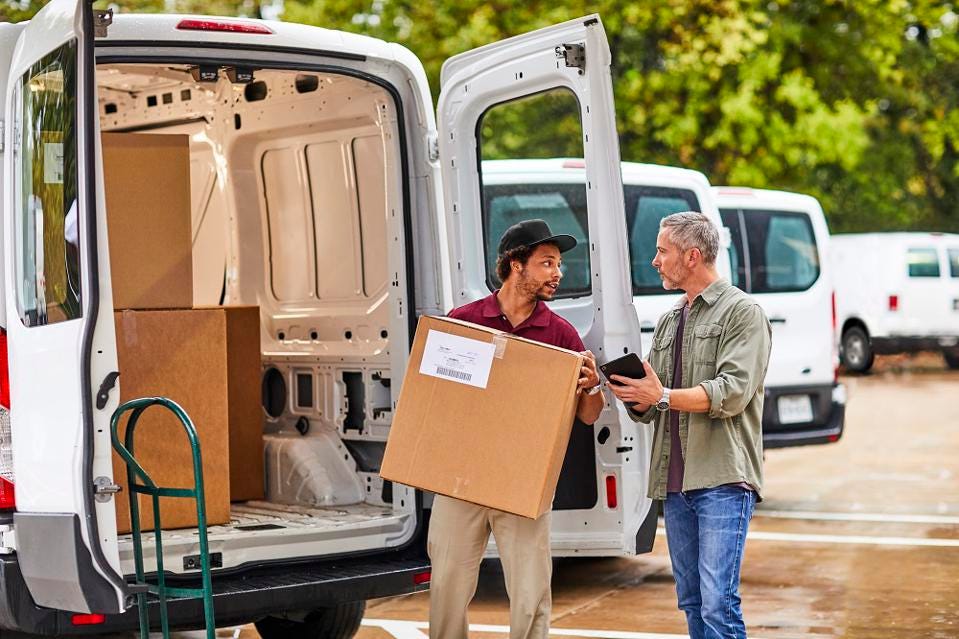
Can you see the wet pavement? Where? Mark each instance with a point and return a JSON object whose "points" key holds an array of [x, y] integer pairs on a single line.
{"points": [[858, 540]]}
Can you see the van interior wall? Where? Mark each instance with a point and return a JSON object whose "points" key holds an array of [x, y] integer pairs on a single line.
{"points": [[294, 177]]}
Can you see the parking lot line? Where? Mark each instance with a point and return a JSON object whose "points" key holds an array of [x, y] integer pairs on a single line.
{"points": [[891, 518], [413, 630], [846, 539]]}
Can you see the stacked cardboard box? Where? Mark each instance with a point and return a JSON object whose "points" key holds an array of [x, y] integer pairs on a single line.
{"points": [[483, 416], [205, 359]]}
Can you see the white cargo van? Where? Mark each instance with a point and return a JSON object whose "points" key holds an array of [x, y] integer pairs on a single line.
{"points": [[325, 194], [780, 244], [802, 366], [896, 293]]}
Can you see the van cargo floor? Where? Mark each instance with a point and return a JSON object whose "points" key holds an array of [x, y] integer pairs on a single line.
{"points": [[261, 531]]}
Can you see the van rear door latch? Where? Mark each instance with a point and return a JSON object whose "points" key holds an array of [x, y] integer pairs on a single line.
{"points": [[103, 395], [104, 489], [574, 55]]}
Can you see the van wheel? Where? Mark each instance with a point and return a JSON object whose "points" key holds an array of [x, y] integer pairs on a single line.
{"points": [[339, 622], [857, 355], [952, 358]]}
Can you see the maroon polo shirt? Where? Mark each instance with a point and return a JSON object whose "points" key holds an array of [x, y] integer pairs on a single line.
{"points": [[542, 326]]}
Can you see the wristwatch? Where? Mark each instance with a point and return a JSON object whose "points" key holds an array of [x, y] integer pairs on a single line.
{"points": [[594, 389], [663, 403]]}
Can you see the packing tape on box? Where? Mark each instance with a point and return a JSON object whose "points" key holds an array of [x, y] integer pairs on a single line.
{"points": [[462, 483], [129, 327], [499, 341]]}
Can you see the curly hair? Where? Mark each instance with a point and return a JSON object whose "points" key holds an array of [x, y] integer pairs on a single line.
{"points": [[504, 260]]}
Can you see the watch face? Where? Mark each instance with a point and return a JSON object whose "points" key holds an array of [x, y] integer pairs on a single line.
{"points": [[662, 406]]}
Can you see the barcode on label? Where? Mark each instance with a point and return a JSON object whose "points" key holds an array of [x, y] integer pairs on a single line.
{"points": [[449, 372]]}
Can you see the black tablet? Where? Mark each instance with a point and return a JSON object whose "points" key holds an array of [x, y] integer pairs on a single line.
{"points": [[628, 365]]}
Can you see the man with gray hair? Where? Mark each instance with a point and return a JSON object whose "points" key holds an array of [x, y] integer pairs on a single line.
{"points": [[712, 350]]}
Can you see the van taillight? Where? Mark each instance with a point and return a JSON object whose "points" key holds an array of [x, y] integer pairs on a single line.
{"points": [[224, 25], [611, 499], [90, 619], [893, 302], [7, 500]]}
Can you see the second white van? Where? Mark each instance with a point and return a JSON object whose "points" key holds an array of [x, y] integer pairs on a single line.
{"points": [[780, 243]]}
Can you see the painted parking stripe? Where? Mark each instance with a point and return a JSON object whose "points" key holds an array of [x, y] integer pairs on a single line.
{"points": [[846, 539], [947, 520], [395, 627]]}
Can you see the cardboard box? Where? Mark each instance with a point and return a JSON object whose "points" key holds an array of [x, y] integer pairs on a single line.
{"points": [[147, 184], [483, 416], [208, 361]]}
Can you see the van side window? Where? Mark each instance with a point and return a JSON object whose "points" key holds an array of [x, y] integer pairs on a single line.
{"points": [[953, 262], [645, 207], [47, 230], [779, 252], [923, 262], [737, 265], [542, 125], [563, 206]]}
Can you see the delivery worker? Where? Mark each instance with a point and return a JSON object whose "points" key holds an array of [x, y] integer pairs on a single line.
{"points": [[703, 390], [528, 265]]}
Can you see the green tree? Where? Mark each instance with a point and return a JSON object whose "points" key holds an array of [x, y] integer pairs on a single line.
{"points": [[850, 101]]}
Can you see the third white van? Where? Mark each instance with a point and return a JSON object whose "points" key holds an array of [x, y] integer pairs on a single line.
{"points": [[896, 293]]}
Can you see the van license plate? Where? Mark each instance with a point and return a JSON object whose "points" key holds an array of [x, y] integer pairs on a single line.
{"points": [[794, 409]]}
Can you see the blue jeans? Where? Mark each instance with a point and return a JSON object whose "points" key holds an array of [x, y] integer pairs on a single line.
{"points": [[706, 532]]}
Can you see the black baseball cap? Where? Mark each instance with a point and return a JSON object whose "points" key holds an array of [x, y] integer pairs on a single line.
{"points": [[533, 233]]}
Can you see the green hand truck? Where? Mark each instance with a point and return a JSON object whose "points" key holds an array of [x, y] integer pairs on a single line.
{"points": [[134, 472]]}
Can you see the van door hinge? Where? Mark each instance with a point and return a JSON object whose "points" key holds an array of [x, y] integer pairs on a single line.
{"points": [[104, 489], [574, 55], [102, 19], [433, 140], [3, 130]]}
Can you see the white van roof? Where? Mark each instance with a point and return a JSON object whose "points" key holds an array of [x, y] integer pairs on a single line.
{"points": [[197, 30], [574, 168], [899, 237], [749, 198]]}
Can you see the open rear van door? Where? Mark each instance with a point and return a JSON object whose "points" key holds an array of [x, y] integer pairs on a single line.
{"points": [[59, 316], [603, 484]]}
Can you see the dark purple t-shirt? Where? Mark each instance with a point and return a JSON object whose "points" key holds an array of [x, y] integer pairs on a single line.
{"points": [[677, 466], [542, 326]]}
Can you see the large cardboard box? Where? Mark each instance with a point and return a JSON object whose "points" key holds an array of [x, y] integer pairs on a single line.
{"points": [[147, 183], [483, 416], [208, 361]]}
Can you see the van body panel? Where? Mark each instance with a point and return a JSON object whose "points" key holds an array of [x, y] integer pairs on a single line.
{"points": [[9, 35], [61, 341], [472, 83]]}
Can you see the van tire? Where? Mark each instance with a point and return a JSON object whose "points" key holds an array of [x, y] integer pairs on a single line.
{"points": [[338, 622], [857, 353], [952, 359]]}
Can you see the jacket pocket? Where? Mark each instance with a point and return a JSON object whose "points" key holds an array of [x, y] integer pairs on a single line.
{"points": [[706, 343]]}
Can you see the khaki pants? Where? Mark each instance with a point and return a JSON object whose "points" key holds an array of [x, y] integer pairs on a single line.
{"points": [[459, 533]]}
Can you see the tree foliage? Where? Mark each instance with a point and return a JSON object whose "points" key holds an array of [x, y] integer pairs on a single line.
{"points": [[852, 101]]}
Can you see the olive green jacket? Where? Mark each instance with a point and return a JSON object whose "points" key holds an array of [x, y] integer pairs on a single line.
{"points": [[726, 343]]}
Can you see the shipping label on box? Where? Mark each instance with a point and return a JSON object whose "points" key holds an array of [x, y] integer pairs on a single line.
{"points": [[483, 416]]}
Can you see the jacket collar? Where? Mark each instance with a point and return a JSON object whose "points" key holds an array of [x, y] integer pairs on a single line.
{"points": [[710, 294]]}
